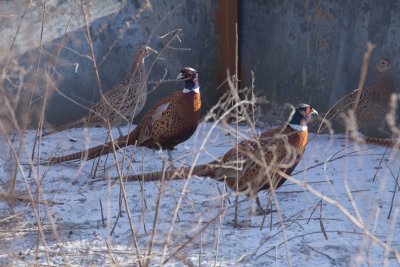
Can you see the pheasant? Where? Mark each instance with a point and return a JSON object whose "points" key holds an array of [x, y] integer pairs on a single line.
{"points": [[169, 122], [373, 103], [253, 165], [120, 104]]}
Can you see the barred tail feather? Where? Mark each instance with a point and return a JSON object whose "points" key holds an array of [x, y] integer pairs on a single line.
{"points": [[91, 153], [178, 174], [69, 125], [388, 142], [97, 151]]}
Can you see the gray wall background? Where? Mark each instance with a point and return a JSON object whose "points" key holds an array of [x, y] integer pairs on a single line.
{"points": [[130, 27], [312, 51], [116, 33], [300, 50]]}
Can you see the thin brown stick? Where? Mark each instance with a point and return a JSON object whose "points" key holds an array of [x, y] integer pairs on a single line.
{"points": [[193, 237], [302, 235], [396, 184], [34, 206], [361, 82], [344, 211], [321, 223], [156, 214], [122, 185], [9, 57], [94, 61], [235, 89], [13, 178], [218, 235], [314, 209], [144, 203], [363, 74], [102, 214], [41, 119], [332, 260], [195, 160], [109, 249], [380, 164], [347, 187]]}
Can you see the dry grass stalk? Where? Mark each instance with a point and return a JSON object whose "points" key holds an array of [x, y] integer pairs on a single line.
{"points": [[233, 109]]}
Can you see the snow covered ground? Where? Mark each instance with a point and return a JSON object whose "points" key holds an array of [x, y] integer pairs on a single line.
{"points": [[191, 222]]}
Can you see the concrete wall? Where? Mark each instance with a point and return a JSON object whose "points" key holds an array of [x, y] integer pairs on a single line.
{"points": [[117, 29], [312, 51], [300, 51]]}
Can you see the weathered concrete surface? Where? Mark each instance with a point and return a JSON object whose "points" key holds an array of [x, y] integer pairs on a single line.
{"points": [[58, 14], [300, 51], [116, 32], [311, 51]]}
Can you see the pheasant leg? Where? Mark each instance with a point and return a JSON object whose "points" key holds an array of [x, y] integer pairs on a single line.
{"points": [[260, 210]]}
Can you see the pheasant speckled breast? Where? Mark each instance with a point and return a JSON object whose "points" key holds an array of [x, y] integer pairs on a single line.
{"points": [[374, 101], [254, 163], [168, 123], [278, 149], [126, 99], [120, 104]]}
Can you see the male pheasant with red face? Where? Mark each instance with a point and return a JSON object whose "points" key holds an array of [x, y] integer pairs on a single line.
{"points": [[168, 123], [373, 104], [253, 165], [120, 104]]}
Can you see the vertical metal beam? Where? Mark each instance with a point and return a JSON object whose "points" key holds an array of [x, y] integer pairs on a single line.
{"points": [[226, 19]]}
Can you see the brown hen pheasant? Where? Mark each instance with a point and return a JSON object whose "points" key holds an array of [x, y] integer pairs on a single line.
{"points": [[168, 123], [255, 162], [120, 104], [373, 104]]}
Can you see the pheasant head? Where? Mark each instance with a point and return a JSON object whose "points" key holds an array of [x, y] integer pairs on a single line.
{"points": [[383, 66], [191, 78], [301, 116], [144, 51]]}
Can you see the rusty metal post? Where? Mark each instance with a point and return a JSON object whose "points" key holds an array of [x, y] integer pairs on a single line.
{"points": [[226, 19]]}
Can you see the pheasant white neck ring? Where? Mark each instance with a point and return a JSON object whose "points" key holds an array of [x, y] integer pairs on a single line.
{"points": [[300, 128], [196, 90]]}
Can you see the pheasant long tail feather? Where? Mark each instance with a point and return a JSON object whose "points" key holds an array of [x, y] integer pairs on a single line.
{"points": [[388, 142], [73, 124], [178, 174], [91, 153]]}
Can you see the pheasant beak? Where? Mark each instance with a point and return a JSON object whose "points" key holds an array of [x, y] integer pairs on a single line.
{"points": [[153, 50], [314, 112]]}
